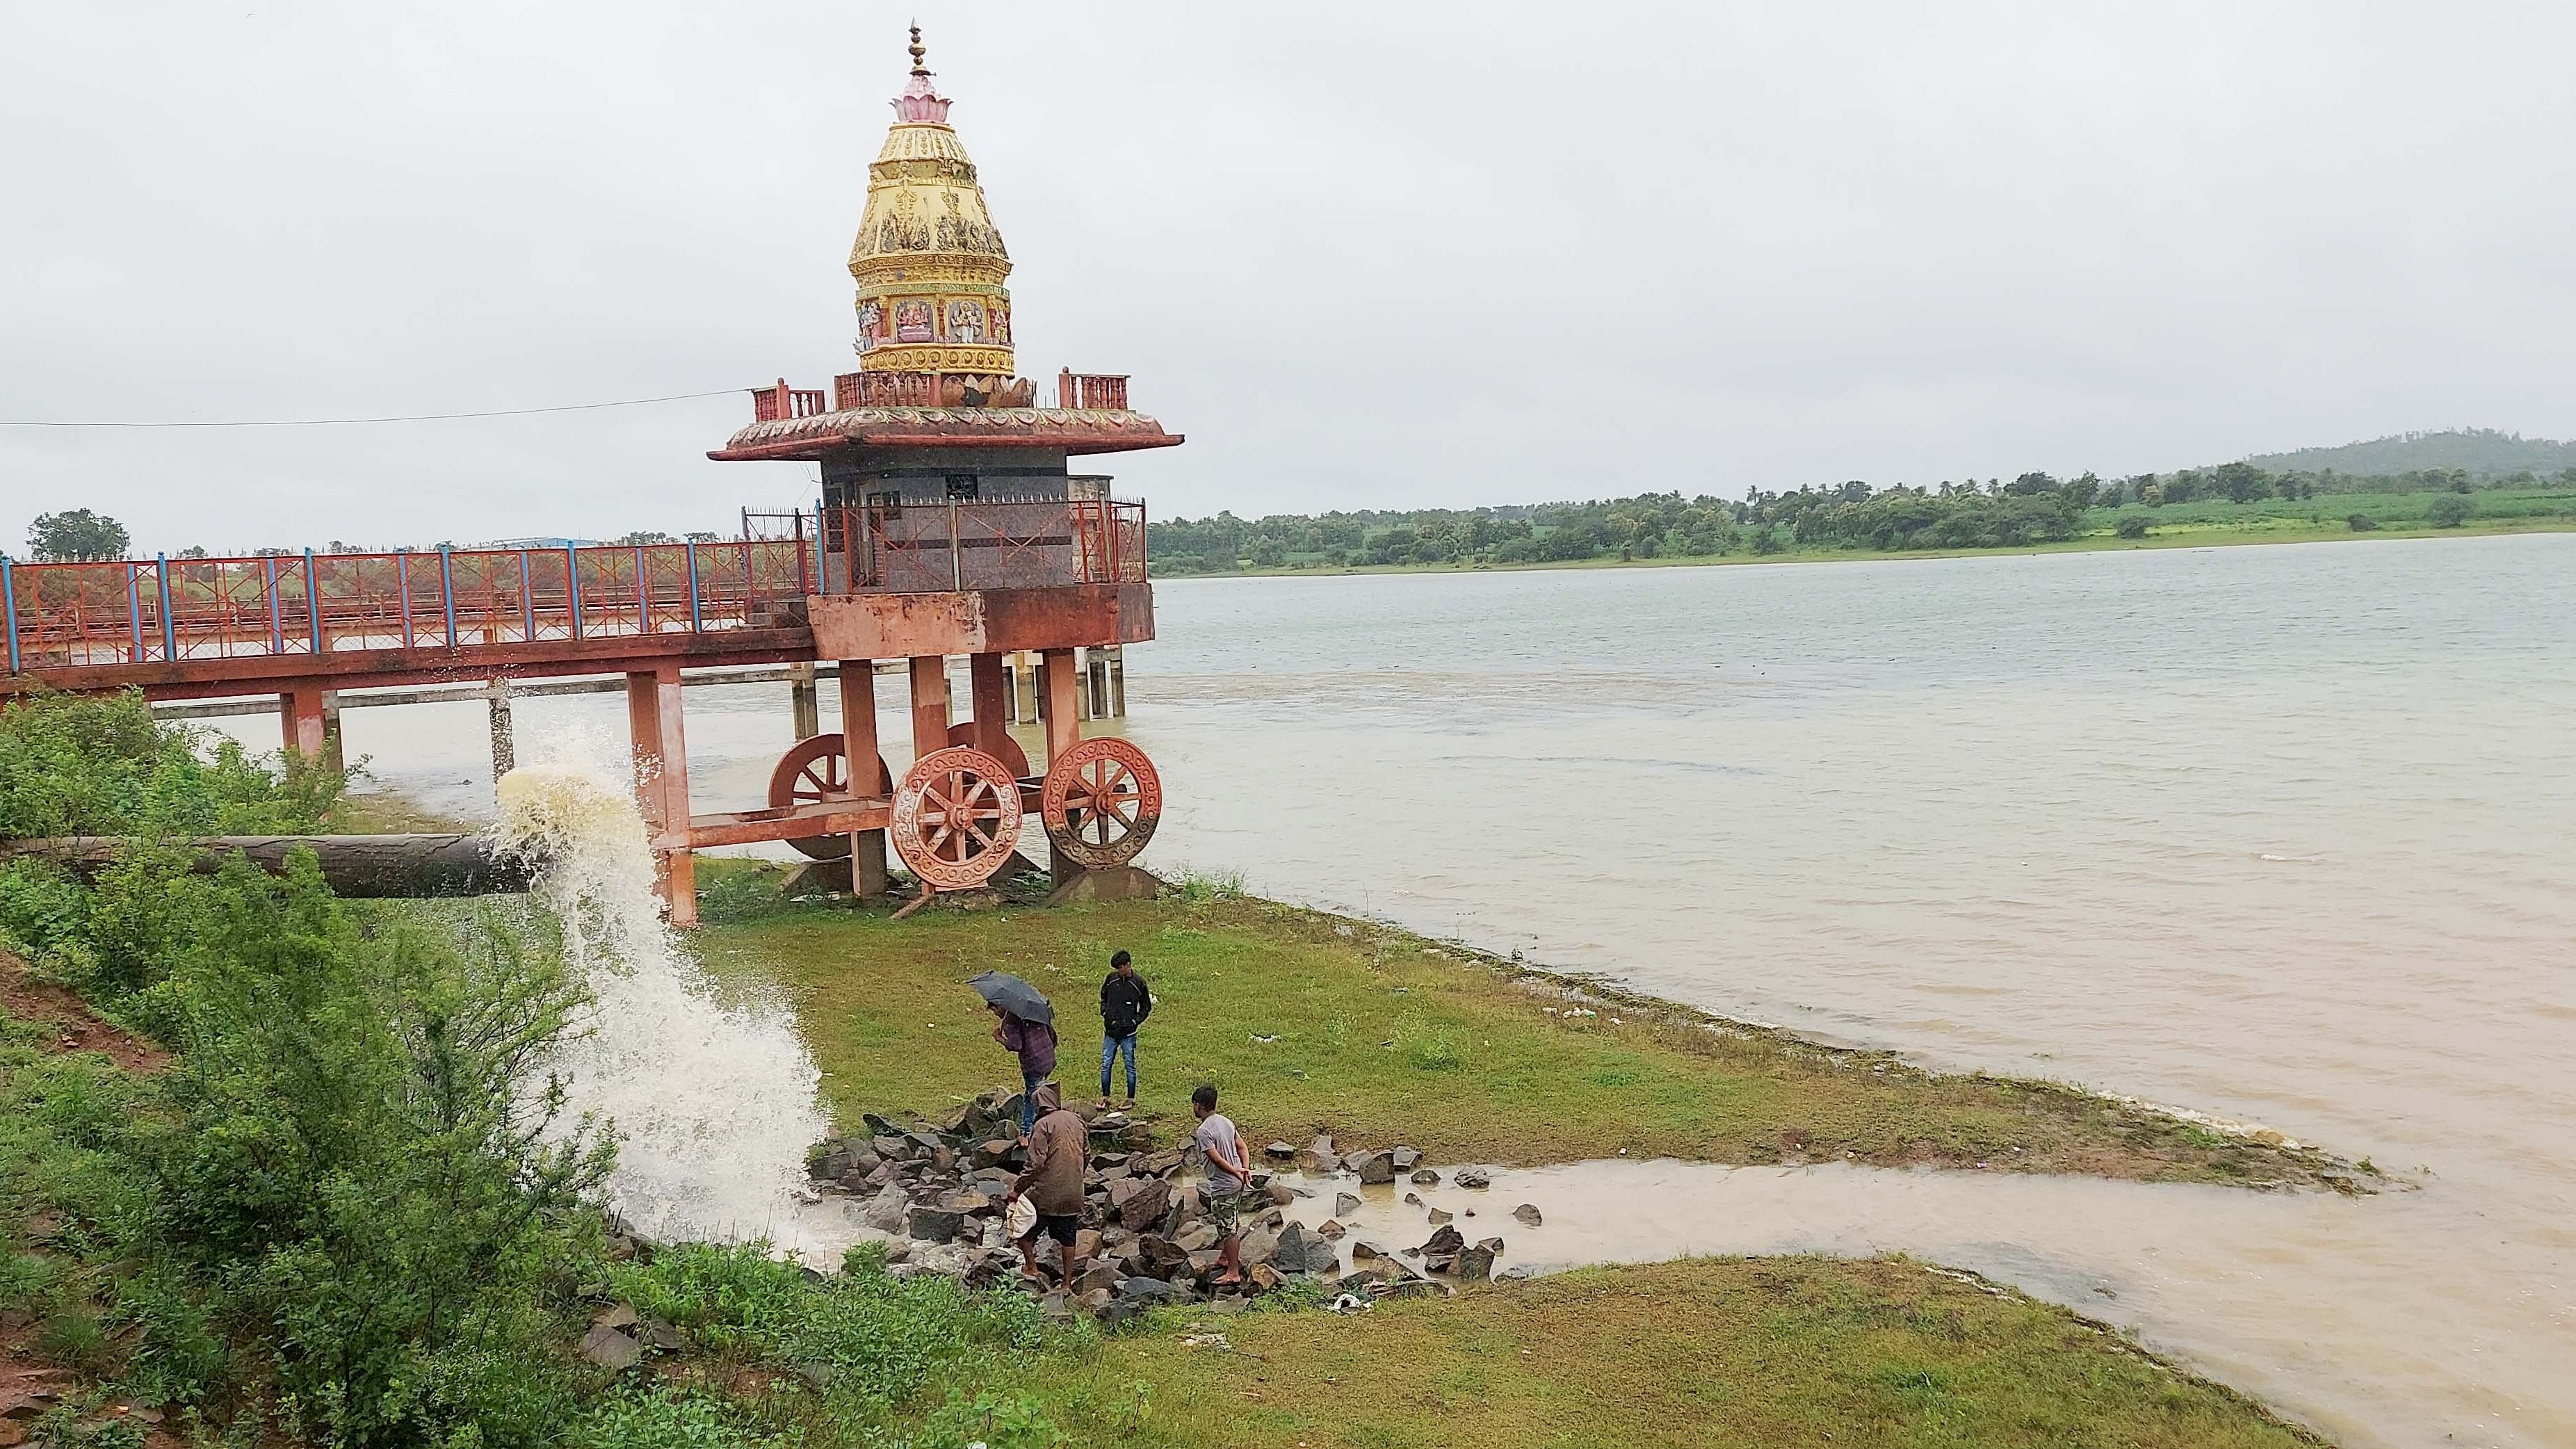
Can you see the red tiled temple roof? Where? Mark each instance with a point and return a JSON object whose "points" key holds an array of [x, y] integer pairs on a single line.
{"points": [[1076, 430]]}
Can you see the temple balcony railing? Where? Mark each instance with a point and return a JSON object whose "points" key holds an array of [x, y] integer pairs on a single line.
{"points": [[1090, 391], [932, 546]]}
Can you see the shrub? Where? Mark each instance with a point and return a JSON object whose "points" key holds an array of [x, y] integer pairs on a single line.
{"points": [[2132, 525], [2362, 523], [2450, 510], [880, 1341]]}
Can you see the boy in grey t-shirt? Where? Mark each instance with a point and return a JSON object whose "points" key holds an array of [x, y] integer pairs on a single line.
{"points": [[1229, 1172]]}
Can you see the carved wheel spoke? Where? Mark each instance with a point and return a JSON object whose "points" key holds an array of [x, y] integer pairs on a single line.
{"points": [[815, 770], [1101, 802], [953, 824]]}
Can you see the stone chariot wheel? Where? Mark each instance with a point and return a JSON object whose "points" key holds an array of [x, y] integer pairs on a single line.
{"points": [[1101, 803], [817, 768], [956, 817]]}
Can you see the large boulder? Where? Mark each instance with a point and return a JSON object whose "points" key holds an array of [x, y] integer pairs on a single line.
{"points": [[933, 1224], [1425, 1177], [1445, 1239], [1373, 1166], [1260, 1245], [1345, 1204], [1151, 1290], [1476, 1264], [1472, 1177], [884, 1212], [1320, 1159], [1300, 1251], [1528, 1213], [610, 1348], [1138, 1201], [1280, 1152]]}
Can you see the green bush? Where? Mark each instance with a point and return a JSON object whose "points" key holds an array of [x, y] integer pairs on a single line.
{"points": [[2450, 510], [2132, 525], [649, 1419], [872, 1343], [2362, 523], [351, 1176], [101, 765]]}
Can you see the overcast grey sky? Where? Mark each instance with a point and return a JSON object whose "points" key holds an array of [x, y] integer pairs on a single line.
{"points": [[1363, 255]]}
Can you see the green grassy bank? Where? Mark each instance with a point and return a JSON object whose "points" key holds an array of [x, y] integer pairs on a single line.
{"points": [[1762, 1351], [1311, 1022]]}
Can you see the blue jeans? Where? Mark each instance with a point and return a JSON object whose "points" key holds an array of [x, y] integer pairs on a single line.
{"points": [[1029, 1084], [1110, 1047]]}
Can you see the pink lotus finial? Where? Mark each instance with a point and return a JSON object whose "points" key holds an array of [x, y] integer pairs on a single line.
{"points": [[919, 102]]}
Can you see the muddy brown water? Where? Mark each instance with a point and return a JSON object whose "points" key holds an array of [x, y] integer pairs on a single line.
{"points": [[2282, 834]]}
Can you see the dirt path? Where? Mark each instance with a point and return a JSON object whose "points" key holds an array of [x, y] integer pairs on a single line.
{"points": [[76, 1027]]}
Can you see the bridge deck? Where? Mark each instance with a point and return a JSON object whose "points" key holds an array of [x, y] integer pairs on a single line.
{"points": [[200, 626]]}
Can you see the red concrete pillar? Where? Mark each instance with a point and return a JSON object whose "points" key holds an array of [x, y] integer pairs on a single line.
{"points": [[1056, 685], [859, 747], [1059, 707], [990, 687], [929, 704], [300, 710], [662, 783]]}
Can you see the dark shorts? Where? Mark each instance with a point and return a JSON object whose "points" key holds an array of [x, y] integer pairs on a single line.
{"points": [[1225, 1210], [1062, 1227]]}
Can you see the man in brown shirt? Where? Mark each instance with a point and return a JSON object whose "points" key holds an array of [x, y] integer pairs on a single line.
{"points": [[1059, 1147]]}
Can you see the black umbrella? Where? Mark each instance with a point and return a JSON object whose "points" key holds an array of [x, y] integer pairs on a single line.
{"points": [[1013, 995]]}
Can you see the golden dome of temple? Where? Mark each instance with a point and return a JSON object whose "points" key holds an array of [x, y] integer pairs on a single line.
{"points": [[928, 262]]}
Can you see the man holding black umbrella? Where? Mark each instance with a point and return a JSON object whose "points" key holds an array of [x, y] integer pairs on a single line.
{"points": [[1025, 1026]]}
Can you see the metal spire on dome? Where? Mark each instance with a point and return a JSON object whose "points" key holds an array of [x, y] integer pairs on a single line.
{"points": [[919, 101]]}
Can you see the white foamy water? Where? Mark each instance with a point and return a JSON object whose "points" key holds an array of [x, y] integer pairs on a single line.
{"points": [[712, 1098]]}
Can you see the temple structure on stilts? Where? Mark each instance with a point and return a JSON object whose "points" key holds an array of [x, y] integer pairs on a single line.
{"points": [[951, 523]]}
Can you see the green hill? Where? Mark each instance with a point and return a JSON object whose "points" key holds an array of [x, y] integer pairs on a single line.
{"points": [[2482, 452]]}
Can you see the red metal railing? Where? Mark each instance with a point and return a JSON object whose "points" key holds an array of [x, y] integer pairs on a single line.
{"points": [[770, 404], [127, 611], [934, 546]]}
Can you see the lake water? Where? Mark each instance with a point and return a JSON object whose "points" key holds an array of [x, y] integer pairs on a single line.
{"points": [[2281, 834]]}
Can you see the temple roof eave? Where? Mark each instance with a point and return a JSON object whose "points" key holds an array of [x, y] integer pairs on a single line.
{"points": [[1075, 430]]}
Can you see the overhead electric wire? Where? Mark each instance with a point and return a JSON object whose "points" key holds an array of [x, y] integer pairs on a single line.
{"points": [[631, 402]]}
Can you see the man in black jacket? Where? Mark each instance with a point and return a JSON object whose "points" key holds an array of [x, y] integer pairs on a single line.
{"points": [[1124, 1005]]}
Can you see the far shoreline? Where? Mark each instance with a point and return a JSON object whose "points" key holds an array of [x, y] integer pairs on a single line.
{"points": [[2179, 538]]}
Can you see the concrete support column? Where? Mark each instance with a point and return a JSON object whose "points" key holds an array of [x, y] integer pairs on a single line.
{"points": [[1081, 686], [662, 783], [1118, 681], [505, 743], [859, 747], [299, 709], [988, 689], [332, 753], [1058, 687], [1024, 687], [805, 699], [929, 704]]}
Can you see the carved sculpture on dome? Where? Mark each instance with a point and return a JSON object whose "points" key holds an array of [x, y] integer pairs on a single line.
{"points": [[928, 259]]}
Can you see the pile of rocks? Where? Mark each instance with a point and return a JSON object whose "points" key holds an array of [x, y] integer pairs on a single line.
{"points": [[938, 1188]]}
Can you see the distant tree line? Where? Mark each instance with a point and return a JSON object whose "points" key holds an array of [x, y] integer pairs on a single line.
{"points": [[2032, 508]]}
